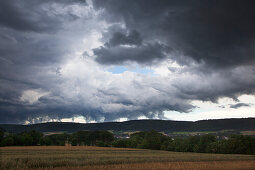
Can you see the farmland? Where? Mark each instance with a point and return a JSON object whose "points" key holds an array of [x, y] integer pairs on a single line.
{"points": [[89, 157]]}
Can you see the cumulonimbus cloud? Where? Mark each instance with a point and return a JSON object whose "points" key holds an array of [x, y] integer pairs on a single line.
{"points": [[44, 73]]}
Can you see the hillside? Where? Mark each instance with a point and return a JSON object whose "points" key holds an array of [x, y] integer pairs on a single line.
{"points": [[138, 125]]}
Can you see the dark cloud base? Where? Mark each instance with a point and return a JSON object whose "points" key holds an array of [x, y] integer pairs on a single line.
{"points": [[220, 33], [235, 106], [213, 43]]}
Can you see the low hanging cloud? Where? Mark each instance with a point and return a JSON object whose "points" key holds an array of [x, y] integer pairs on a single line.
{"points": [[235, 106], [206, 50]]}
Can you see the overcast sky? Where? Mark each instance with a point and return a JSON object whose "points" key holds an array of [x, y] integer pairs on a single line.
{"points": [[116, 60]]}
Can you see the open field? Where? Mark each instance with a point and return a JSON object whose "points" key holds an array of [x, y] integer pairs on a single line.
{"points": [[195, 133], [82, 157], [248, 133]]}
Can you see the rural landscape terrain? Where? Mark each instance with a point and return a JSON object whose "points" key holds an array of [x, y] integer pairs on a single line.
{"points": [[238, 125], [127, 84], [130, 145], [85, 157]]}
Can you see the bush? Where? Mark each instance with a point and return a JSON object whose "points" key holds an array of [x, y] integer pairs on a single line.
{"points": [[8, 141]]}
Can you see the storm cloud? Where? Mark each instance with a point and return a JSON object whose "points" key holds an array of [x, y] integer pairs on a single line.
{"points": [[122, 54], [55, 57], [219, 33], [34, 15]]}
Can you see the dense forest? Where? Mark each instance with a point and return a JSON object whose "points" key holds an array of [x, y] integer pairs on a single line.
{"points": [[235, 144], [137, 125]]}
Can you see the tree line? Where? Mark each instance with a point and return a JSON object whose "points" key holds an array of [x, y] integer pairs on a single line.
{"points": [[235, 144], [33, 138]]}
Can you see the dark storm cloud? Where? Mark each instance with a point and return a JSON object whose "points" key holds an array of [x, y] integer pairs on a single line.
{"points": [[121, 54], [129, 47], [31, 15], [29, 50], [220, 33], [42, 79], [214, 84], [118, 38], [235, 106], [218, 36]]}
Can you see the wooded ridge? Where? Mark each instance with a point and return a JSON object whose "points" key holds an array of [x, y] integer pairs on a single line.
{"points": [[138, 125]]}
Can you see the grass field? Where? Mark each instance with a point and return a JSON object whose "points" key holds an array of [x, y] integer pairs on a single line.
{"points": [[82, 157], [194, 133], [248, 133]]}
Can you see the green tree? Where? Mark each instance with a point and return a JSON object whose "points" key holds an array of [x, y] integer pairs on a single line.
{"points": [[205, 141], [26, 139], [36, 136], [8, 141], [1, 135], [153, 140], [239, 144], [137, 139], [46, 141], [120, 143]]}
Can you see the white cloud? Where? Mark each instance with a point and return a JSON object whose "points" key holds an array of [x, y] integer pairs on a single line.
{"points": [[209, 110], [58, 67], [32, 95]]}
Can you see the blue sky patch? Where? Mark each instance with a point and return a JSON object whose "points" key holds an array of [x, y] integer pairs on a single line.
{"points": [[122, 69]]}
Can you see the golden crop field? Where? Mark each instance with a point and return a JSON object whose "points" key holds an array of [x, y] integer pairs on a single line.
{"points": [[250, 132], [84, 157]]}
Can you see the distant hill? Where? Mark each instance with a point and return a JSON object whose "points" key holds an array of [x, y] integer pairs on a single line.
{"points": [[139, 125]]}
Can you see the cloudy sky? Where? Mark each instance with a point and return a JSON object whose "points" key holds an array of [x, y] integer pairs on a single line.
{"points": [[116, 60]]}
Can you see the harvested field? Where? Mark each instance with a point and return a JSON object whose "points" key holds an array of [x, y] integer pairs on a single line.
{"points": [[209, 165], [82, 157]]}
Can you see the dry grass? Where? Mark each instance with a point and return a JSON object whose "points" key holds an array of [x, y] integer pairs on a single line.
{"points": [[248, 132], [82, 157], [86, 148], [223, 165]]}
